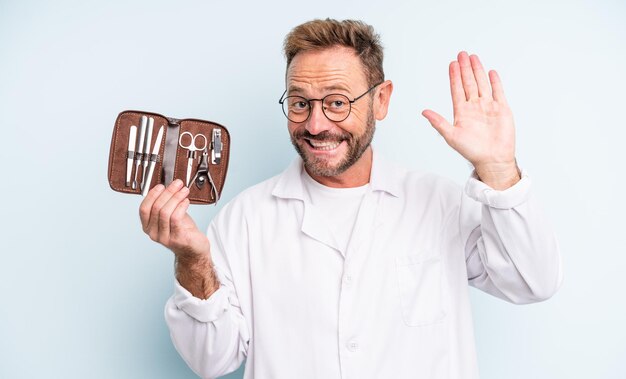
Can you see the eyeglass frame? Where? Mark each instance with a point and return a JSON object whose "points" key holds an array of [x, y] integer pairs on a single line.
{"points": [[350, 102]]}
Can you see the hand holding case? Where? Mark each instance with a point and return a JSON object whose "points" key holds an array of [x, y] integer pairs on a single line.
{"points": [[172, 159]]}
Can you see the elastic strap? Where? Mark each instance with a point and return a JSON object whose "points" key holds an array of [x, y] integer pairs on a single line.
{"points": [[171, 145]]}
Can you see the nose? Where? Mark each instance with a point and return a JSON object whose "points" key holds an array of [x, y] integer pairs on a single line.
{"points": [[317, 121]]}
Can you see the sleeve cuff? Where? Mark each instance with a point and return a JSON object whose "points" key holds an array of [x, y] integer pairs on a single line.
{"points": [[202, 310], [507, 199]]}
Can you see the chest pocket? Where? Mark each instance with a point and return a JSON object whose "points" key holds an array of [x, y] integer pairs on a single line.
{"points": [[420, 282]]}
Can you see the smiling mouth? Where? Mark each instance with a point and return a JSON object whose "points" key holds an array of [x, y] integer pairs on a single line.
{"points": [[323, 145]]}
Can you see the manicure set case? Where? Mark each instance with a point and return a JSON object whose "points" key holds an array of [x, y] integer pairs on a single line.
{"points": [[172, 160]]}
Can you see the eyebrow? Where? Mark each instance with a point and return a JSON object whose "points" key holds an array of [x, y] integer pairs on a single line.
{"points": [[335, 87], [291, 89]]}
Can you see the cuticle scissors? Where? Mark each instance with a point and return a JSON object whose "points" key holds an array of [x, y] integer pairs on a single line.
{"points": [[191, 154]]}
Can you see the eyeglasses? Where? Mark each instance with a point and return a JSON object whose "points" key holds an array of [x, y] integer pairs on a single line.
{"points": [[336, 107]]}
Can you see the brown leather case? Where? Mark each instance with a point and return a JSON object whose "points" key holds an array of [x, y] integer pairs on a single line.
{"points": [[171, 160]]}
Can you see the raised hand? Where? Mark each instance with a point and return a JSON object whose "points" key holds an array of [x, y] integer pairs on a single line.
{"points": [[483, 131]]}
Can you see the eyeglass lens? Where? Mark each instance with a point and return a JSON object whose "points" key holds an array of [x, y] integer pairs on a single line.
{"points": [[335, 106]]}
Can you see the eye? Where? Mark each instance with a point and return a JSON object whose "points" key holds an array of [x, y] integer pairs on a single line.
{"points": [[298, 104], [336, 103]]}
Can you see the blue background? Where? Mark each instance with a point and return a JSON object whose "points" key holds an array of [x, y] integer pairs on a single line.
{"points": [[83, 288]]}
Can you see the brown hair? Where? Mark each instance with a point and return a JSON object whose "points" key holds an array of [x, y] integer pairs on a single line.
{"points": [[322, 34]]}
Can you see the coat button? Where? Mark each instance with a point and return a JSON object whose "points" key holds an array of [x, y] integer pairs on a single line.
{"points": [[353, 346]]}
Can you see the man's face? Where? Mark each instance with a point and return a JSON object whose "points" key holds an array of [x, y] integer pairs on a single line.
{"points": [[329, 148]]}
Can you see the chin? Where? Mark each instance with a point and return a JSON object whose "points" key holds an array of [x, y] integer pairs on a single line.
{"points": [[324, 170], [324, 167]]}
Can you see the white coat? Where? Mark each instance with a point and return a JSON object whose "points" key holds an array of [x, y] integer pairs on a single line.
{"points": [[394, 305]]}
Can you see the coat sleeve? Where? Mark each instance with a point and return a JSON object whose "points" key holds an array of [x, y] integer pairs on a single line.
{"points": [[212, 335], [511, 250]]}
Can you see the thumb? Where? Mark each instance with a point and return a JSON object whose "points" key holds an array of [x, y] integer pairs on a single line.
{"points": [[438, 122]]}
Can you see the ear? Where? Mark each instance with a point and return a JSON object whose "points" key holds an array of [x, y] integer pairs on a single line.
{"points": [[381, 99]]}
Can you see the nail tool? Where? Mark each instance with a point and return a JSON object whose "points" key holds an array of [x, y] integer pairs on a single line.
{"points": [[191, 154], [139, 150], [153, 159], [216, 143], [203, 174], [146, 153], [130, 155]]}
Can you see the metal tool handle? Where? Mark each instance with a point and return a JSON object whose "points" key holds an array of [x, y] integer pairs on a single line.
{"points": [[154, 157], [130, 154], [146, 147], [146, 185], [139, 150]]}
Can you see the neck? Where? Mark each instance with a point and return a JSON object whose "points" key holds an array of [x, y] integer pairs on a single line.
{"points": [[357, 175]]}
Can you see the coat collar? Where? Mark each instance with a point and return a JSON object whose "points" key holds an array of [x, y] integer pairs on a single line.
{"points": [[384, 177]]}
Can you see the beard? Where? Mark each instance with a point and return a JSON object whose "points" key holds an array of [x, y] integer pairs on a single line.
{"points": [[356, 147]]}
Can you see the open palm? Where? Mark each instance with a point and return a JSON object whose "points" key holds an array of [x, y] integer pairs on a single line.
{"points": [[483, 130]]}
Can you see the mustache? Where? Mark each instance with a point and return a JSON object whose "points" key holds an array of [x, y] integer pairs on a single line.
{"points": [[323, 136]]}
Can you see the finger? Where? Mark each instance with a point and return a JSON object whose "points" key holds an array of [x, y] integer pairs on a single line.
{"points": [[165, 214], [456, 85], [146, 205], [496, 85], [484, 89], [467, 75], [438, 122], [179, 214], [153, 224]]}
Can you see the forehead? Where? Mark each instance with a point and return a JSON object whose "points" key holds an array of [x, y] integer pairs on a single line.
{"points": [[318, 70]]}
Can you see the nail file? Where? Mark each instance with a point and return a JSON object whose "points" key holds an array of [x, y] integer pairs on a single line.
{"points": [[153, 159], [139, 150], [146, 146], [130, 157]]}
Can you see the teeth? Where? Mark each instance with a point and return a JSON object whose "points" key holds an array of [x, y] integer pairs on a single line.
{"points": [[324, 145]]}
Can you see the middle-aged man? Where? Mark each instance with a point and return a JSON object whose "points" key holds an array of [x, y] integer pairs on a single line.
{"points": [[345, 266]]}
